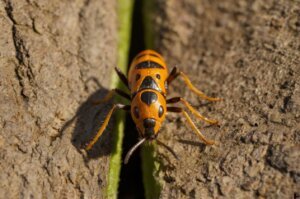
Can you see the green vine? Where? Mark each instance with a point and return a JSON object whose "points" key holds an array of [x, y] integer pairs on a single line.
{"points": [[125, 8]]}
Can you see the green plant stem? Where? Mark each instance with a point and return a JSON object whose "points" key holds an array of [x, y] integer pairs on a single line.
{"points": [[125, 8]]}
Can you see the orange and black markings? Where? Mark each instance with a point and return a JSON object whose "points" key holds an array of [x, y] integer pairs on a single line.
{"points": [[148, 80]]}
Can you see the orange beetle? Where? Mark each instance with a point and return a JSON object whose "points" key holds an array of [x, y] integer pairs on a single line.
{"points": [[148, 81]]}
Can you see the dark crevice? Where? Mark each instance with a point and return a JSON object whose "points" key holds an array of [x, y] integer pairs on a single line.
{"points": [[23, 70], [131, 179]]}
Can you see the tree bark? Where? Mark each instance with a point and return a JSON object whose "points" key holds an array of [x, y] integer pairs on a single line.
{"points": [[246, 52], [50, 52]]}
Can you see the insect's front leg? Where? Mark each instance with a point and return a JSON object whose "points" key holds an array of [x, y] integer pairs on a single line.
{"points": [[122, 77], [110, 94]]}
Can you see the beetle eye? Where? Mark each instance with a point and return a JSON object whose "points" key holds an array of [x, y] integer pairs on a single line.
{"points": [[136, 112], [160, 111]]}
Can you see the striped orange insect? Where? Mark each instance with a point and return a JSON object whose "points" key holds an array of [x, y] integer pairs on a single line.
{"points": [[148, 81]]}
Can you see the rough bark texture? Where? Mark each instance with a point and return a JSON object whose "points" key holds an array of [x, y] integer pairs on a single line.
{"points": [[246, 52], [48, 51]]}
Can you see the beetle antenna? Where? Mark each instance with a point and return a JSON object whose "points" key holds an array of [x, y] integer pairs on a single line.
{"points": [[130, 152], [168, 148]]}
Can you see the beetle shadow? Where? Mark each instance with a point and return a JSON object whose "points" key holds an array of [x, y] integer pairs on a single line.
{"points": [[88, 119], [193, 143]]}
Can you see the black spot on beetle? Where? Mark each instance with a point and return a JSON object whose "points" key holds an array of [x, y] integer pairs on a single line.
{"points": [[160, 111], [149, 97], [149, 82], [136, 112], [148, 64], [137, 77]]}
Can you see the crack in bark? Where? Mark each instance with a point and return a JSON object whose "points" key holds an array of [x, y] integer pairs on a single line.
{"points": [[82, 22], [23, 70]]}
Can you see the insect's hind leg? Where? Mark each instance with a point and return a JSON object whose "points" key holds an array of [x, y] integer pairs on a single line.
{"points": [[194, 111], [91, 143], [174, 74], [110, 94], [191, 123]]}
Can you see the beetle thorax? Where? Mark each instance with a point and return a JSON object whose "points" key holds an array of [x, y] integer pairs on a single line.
{"points": [[148, 112]]}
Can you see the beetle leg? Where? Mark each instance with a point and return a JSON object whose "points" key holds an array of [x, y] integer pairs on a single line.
{"points": [[194, 111], [195, 90], [200, 135], [191, 123], [168, 148], [110, 94], [91, 143], [174, 74], [174, 109], [122, 76]]}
